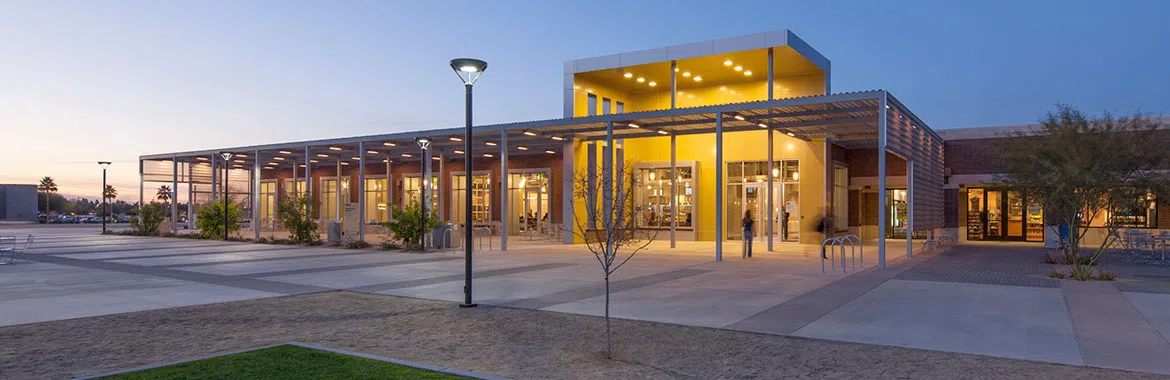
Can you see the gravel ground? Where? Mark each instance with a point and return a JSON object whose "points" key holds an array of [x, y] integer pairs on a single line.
{"points": [[514, 343]]}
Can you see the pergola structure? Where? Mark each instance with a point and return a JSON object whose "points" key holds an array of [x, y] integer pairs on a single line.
{"points": [[858, 120]]}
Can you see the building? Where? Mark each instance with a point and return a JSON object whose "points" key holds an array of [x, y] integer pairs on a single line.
{"points": [[710, 129], [18, 203]]}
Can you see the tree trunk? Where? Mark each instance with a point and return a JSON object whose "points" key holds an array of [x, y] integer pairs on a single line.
{"points": [[608, 336]]}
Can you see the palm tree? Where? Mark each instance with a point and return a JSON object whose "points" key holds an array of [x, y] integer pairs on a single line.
{"points": [[108, 196], [48, 186], [164, 194]]}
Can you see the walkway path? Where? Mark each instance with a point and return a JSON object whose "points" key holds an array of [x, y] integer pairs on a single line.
{"points": [[978, 299]]}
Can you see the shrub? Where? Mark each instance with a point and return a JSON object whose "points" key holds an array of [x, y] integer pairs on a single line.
{"points": [[211, 219], [1082, 273], [1056, 274], [294, 216], [406, 225], [356, 244], [1048, 259], [389, 245], [148, 221], [1106, 276]]}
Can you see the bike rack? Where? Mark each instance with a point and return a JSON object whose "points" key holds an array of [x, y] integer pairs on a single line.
{"points": [[853, 241], [480, 237]]}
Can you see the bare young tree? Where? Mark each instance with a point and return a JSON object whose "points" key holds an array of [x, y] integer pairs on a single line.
{"points": [[610, 227], [1089, 171]]}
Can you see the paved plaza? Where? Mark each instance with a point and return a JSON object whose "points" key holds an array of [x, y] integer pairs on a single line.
{"points": [[986, 299]]}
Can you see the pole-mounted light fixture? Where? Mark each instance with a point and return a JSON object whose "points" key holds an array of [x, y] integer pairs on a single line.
{"points": [[104, 165], [424, 143], [227, 157], [469, 70]]}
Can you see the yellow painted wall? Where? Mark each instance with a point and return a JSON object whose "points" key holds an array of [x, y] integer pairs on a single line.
{"points": [[714, 94], [738, 146]]}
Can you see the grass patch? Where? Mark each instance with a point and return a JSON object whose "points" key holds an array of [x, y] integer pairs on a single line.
{"points": [[285, 362]]}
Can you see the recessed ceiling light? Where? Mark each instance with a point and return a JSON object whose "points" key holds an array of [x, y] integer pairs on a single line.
{"points": [[356, 158], [663, 132], [201, 158], [345, 163], [489, 155], [407, 155], [278, 158], [285, 152], [239, 161], [313, 161], [529, 133], [641, 79], [738, 117], [456, 138], [762, 125], [686, 74], [738, 68], [698, 78], [676, 69], [653, 83], [458, 151], [490, 143], [521, 148], [549, 151], [302, 165], [242, 155], [386, 161], [322, 155], [632, 125], [334, 148], [273, 163], [727, 62], [388, 143], [747, 73], [372, 152], [267, 168], [434, 157], [628, 75], [791, 134], [558, 138]]}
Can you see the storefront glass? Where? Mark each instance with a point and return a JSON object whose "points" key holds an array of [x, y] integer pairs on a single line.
{"points": [[653, 197], [481, 201], [528, 203]]}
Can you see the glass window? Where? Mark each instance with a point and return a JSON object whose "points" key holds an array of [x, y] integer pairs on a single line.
{"points": [[653, 197], [528, 203], [975, 214], [1143, 213], [376, 200], [267, 202], [410, 187], [481, 199]]}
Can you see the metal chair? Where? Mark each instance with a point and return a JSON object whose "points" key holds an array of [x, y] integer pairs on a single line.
{"points": [[14, 254]]}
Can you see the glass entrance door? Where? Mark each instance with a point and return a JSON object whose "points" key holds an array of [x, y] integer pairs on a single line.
{"points": [[994, 217], [535, 215], [1014, 216]]}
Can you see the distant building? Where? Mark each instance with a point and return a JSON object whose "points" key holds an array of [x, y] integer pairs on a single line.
{"points": [[18, 203]]}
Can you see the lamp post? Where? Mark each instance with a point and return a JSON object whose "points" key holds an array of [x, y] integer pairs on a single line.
{"points": [[104, 165], [227, 167], [469, 71], [423, 144]]}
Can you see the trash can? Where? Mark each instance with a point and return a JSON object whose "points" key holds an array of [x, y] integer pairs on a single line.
{"points": [[333, 231], [440, 238]]}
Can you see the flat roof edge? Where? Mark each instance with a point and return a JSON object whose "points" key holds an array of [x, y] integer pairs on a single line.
{"points": [[763, 40]]}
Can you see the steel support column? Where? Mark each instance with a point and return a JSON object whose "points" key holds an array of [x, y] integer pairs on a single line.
{"points": [[256, 175], [361, 189], [881, 151], [673, 187], [770, 218], [909, 208], [719, 186], [174, 194], [504, 219], [607, 178]]}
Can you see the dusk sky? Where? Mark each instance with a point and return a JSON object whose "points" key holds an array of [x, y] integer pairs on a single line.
{"points": [[82, 81]]}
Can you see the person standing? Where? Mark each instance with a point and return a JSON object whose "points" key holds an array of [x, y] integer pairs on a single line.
{"points": [[748, 227]]}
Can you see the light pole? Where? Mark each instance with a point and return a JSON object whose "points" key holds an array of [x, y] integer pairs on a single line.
{"points": [[423, 144], [104, 165], [469, 71], [227, 167]]}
